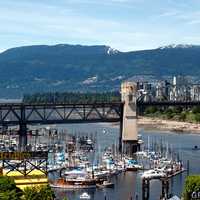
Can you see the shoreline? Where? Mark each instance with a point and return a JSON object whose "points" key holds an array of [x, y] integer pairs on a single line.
{"points": [[149, 123]]}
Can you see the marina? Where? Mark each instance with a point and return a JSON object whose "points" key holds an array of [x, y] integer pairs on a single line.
{"points": [[132, 181], [101, 169], [89, 158]]}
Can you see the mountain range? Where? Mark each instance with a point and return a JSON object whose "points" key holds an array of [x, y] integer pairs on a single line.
{"points": [[66, 67]]}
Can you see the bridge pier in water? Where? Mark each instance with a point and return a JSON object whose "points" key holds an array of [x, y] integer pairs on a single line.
{"points": [[129, 122], [22, 137], [22, 129], [146, 188]]}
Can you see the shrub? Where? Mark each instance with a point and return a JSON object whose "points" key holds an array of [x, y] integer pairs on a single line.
{"points": [[183, 116], [196, 109], [38, 193], [151, 110], [192, 186], [8, 189], [190, 117], [197, 117]]}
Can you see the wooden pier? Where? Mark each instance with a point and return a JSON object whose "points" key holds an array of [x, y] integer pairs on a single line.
{"points": [[165, 185]]}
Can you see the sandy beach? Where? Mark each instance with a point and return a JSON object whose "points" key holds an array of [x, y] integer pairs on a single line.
{"points": [[167, 125]]}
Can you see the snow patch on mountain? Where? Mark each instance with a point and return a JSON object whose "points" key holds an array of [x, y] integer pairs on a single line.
{"points": [[178, 46], [111, 51]]}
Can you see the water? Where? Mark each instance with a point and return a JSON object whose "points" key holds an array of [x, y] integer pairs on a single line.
{"points": [[129, 184]]}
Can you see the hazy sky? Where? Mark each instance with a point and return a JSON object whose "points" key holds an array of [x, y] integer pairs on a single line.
{"points": [[122, 24]]}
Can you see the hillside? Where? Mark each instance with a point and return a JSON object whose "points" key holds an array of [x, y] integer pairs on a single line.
{"points": [[95, 68]]}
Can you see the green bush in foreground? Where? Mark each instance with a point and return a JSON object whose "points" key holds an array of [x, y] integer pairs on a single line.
{"points": [[38, 193], [9, 191], [192, 188]]}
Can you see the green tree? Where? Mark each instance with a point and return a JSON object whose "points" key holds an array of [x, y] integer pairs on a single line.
{"points": [[8, 189], [196, 109], [183, 116], [9, 195], [30, 193], [38, 193], [190, 117], [170, 113], [151, 110], [197, 117], [177, 110], [192, 186], [46, 193]]}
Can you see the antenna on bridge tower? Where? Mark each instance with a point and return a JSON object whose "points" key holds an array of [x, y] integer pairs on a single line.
{"points": [[129, 127]]}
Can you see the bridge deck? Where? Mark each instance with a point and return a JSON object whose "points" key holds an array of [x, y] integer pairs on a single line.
{"points": [[18, 113]]}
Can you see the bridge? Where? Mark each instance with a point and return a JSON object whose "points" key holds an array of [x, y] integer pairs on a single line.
{"points": [[32, 114], [125, 112], [21, 114]]}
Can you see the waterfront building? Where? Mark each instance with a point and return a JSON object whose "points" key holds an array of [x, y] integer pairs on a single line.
{"points": [[145, 91], [180, 90], [195, 92], [162, 90]]}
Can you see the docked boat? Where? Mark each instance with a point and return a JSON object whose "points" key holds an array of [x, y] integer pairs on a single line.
{"points": [[153, 174], [75, 178], [106, 184], [85, 195], [78, 183], [101, 174], [142, 154], [54, 167], [132, 165]]}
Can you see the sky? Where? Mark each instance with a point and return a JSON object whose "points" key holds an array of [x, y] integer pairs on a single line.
{"points": [[126, 25]]}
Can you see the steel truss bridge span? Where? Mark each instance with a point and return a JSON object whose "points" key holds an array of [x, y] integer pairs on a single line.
{"points": [[30, 114]]}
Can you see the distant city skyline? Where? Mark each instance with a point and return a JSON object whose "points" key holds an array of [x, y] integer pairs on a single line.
{"points": [[122, 24]]}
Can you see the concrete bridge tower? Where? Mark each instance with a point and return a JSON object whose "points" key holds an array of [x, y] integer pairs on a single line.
{"points": [[129, 127]]}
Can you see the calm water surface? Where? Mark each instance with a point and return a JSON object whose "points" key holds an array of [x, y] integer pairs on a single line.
{"points": [[129, 184]]}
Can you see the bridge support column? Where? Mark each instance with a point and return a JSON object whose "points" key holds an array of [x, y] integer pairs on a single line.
{"points": [[121, 129], [165, 188], [129, 128], [145, 189], [22, 130], [22, 137]]}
